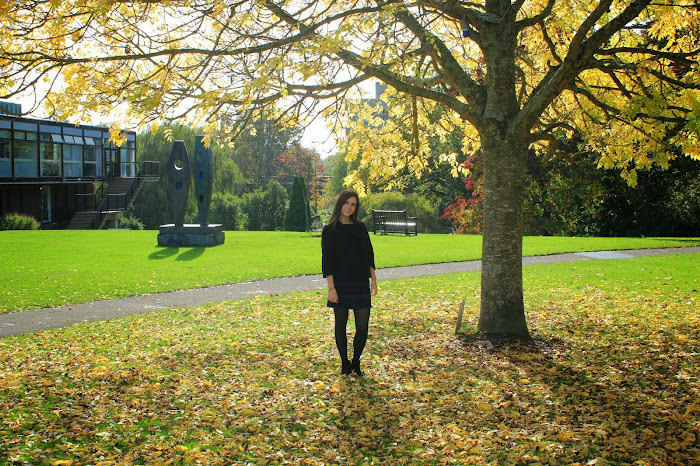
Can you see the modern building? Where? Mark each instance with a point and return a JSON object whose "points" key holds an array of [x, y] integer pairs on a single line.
{"points": [[64, 175]]}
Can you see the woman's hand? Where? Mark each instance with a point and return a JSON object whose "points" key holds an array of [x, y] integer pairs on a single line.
{"points": [[332, 295], [373, 287]]}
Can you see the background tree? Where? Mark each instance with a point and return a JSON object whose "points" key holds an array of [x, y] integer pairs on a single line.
{"points": [[663, 203], [511, 74], [336, 169], [298, 161], [257, 149]]}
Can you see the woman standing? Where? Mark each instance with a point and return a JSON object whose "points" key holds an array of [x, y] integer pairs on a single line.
{"points": [[348, 263]]}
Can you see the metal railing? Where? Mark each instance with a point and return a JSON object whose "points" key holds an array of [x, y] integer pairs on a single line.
{"points": [[113, 203], [85, 202]]}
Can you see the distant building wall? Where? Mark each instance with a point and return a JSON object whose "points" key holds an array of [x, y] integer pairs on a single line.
{"points": [[44, 164]]}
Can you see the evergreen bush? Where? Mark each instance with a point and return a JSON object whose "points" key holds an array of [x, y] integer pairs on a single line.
{"points": [[298, 217], [19, 222]]}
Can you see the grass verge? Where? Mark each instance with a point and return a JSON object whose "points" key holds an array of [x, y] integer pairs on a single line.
{"points": [[611, 378], [50, 268]]}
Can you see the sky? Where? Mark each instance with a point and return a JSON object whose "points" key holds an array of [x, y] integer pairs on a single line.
{"points": [[316, 136]]}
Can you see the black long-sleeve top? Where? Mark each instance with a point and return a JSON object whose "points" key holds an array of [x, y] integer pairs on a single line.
{"points": [[347, 252]]}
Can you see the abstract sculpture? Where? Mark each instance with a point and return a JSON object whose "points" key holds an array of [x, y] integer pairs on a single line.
{"points": [[179, 179], [202, 178], [179, 175]]}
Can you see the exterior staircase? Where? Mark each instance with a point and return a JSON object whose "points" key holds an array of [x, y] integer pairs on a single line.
{"points": [[119, 197], [81, 220]]}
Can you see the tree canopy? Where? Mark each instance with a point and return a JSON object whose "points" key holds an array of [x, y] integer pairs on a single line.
{"points": [[618, 77]]}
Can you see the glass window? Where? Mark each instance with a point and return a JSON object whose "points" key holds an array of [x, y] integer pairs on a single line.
{"points": [[98, 161], [72, 131], [5, 167], [56, 138], [26, 158], [49, 129], [50, 159], [92, 164], [128, 160], [26, 126], [72, 160]]}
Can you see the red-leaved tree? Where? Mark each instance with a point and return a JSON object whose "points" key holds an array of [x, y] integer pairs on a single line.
{"points": [[466, 213]]}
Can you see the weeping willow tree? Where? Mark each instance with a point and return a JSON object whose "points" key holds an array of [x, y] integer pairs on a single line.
{"points": [[620, 76]]}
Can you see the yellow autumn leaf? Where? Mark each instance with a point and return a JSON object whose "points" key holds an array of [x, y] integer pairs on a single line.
{"points": [[565, 436], [483, 407]]}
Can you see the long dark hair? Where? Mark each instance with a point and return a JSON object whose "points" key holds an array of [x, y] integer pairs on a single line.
{"points": [[337, 210]]}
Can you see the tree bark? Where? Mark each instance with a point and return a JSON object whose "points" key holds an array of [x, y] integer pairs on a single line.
{"points": [[502, 308], [504, 149]]}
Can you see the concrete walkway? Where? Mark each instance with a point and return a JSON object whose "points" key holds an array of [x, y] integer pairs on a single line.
{"points": [[36, 320]]}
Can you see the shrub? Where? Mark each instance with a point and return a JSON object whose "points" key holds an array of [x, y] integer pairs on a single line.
{"points": [[467, 212], [19, 222], [264, 210], [226, 210], [275, 200], [131, 223]]}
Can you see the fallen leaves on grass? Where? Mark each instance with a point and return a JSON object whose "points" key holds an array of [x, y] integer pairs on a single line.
{"points": [[607, 380]]}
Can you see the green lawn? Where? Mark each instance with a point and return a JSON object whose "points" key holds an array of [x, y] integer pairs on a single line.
{"points": [[49, 268], [611, 378]]}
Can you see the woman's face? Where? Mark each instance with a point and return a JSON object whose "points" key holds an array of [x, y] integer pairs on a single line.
{"points": [[349, 207]]}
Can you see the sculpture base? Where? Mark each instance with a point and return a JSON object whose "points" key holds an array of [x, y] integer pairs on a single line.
{"points": [[190, 235]]}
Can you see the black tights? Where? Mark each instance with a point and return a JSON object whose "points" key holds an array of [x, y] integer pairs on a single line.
{"points": [[361, 330]]}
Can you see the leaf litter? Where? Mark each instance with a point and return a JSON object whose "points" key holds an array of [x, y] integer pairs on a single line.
{"points": [[610, 377]]}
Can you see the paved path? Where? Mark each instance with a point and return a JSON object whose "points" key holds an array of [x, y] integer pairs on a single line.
{"points": [[36, 320]]}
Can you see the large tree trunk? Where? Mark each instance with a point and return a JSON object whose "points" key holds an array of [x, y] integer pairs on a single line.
{"points": [[502, 308]]}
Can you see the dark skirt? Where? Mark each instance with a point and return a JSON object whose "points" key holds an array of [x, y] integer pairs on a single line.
{"points": [[352, 295]]}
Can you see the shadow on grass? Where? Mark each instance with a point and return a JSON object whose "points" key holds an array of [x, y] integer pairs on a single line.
{"points": [[191, 254], [163, 253], [187, 255]]}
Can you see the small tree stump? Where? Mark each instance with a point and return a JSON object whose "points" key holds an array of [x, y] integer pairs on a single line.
{"points": [[459, 317]]}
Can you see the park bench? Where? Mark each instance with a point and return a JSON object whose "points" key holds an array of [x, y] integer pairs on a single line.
{"points": [[394, 221]]}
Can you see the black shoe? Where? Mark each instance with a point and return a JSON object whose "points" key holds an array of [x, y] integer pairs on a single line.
{"points": [[346, 368], [356, 369]]}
